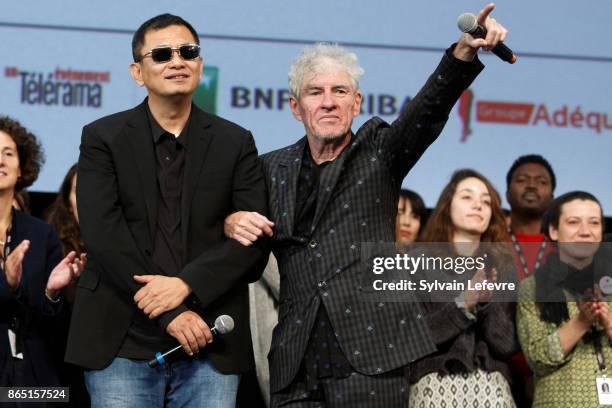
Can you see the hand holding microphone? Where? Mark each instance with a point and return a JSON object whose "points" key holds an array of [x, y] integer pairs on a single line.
{"points": [[223, 325], [484, 32]]}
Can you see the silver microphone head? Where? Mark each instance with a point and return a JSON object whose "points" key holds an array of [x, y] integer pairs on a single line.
{"points": [[467, 22], [224, 324]]}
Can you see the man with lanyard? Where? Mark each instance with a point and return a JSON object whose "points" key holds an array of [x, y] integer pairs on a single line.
{"points": [[530, 185]]}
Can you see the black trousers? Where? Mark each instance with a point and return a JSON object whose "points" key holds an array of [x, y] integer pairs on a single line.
{"points": [[387, 390]]}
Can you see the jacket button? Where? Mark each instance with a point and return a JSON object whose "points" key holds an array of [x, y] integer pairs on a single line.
{"points": [[313, 244]]}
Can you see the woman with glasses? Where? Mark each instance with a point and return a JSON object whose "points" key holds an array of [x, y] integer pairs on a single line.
{"points": [[33, 272]]}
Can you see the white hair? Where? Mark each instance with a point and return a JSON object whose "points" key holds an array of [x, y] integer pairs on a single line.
{"points": [[319, 57]]}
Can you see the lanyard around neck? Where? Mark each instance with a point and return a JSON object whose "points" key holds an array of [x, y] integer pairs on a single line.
{"points": [[519, 252]]}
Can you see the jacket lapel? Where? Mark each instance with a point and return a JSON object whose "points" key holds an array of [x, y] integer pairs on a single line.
{"points": [[285, 182], [199, 136], [144, 156]]}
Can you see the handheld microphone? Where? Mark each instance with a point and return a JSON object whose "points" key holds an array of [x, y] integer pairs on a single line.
{"points": [[468, 24], [223, 325]]}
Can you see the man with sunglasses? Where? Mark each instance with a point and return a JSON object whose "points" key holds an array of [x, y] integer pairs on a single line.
{"points": [[155, 183]]}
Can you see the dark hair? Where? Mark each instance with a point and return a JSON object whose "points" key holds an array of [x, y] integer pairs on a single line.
{"points": [[553, 214], [60, 216], [31, 156], [553, 278], [416, 202], [22, 201], [157, 23], [440, 227], [531, 158]]}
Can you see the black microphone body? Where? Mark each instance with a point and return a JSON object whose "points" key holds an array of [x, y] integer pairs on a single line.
{"points": [[468, 24], [501, 49], [223, 325]]}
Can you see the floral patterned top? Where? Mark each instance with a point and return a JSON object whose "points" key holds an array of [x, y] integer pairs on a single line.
{"points": [[560, 381]]}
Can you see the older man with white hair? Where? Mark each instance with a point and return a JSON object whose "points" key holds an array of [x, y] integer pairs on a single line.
{"points": [[328, 193]]}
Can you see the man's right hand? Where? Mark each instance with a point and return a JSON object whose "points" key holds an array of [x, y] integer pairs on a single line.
{"points": [[191, 332], [247, 227]]}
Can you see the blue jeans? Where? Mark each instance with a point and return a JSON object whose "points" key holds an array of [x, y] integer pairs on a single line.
{"points": [[130, 383]]}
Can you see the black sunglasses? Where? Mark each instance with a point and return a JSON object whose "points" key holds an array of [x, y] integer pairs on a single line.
{"points": [[164, 53]]}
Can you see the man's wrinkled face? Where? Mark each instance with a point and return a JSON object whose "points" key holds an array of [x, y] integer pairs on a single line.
{"points": [[327, 104]]}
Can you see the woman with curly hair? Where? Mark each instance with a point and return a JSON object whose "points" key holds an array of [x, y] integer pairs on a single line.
{"points": [[33, 272], [474, 335]]}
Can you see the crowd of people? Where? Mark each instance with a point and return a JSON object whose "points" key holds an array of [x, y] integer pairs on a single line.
{"points": [[167, 239], [546, 346]]}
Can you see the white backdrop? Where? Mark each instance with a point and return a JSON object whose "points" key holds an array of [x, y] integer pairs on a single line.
{"points": [[561, 80]]}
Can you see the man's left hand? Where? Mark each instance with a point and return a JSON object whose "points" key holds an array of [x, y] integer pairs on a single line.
{"points": [[160, 294]]}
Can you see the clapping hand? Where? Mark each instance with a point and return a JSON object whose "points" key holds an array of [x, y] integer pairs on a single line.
{"points": [[472, 296], [66, 272], [13, 266]]}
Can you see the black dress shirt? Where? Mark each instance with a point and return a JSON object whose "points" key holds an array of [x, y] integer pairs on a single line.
{"points": [[323, 357], [145, 337]]}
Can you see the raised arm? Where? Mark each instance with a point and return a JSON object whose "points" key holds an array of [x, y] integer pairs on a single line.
{"points": [[422, 119]]}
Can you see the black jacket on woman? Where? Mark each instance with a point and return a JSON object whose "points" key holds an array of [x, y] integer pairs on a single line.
{"points": [[28, 311], [466, 344]]}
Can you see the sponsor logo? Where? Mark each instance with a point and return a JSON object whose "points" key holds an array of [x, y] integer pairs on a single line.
{"points": [[205, 95], [60, 87], [529, 114]]}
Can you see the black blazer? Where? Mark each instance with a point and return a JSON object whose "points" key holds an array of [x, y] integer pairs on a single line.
{"points": [[37, 315], [117, 201], [356, 203]]}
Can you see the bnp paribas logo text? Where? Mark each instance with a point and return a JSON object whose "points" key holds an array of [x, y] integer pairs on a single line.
{"points": [[205, 96]]}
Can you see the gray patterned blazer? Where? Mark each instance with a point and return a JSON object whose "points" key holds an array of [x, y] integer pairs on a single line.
{"points": [[357, 202]]}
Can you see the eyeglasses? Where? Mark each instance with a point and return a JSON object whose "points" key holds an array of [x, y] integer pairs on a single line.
{"points": [[164, 53]]}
